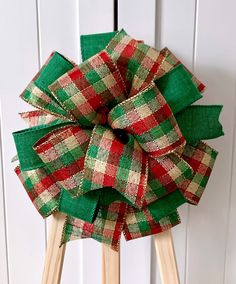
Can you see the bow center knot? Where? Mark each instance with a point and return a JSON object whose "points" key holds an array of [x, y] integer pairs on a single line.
{"points": [[121, 135]]}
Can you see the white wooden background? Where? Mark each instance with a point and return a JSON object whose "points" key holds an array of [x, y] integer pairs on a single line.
{"points": [[202, 34]]}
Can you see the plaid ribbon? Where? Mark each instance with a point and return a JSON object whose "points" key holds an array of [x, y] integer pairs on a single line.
{"points": [[106, 145], [86, 89], [149, 118]]}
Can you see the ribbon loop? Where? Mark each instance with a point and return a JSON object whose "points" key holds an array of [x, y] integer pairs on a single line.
{"points": [[37, 92], [24, 141], [149, 118], [166, 174], [178, 89], [138, 63], [63, 152], [110, 163], [89, 87]]}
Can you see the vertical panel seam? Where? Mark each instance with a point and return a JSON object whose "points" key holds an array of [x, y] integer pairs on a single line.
{"points": [[232, 164], [153, 261], [194, 59], [158, 13], [39, 48], [4, 203], [38, 34], [195, 35], [79, 57], [186, 244], [115, 15]]}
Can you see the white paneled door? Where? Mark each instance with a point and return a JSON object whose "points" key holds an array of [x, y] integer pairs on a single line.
{"points": [[201, 33]]}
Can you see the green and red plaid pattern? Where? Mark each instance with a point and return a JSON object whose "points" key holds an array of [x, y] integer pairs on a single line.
{"points": [[110, 163], [169, 62], [36, 97], [138, 63], [139, 223], [75, 228], [201, 158], [165, 174], [89, 87], [136, 224], [63, 152], [149, 118], [39, 117], [37, 92], [106, 228], [41, 188], [105, 145]]}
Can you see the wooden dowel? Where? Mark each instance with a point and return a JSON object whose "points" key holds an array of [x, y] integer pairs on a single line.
{"points": [[110, 266], [55, 255], [166, 258]]}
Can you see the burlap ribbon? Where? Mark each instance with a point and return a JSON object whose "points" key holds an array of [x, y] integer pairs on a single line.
{"points": [[115, 144]]}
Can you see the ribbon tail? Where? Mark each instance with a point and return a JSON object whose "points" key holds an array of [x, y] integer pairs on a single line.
{"points": [[166, 205], [201, 158], [106, 228], [203, 119], [41, 189], [139, 223], [84, 207]]}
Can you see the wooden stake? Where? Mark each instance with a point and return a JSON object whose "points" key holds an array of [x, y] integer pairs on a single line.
{"points": [[166, 258], [111, 266], [55, 254]]}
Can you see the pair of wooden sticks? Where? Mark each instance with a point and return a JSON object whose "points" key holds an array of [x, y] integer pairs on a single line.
{"points": [[110, 259]]}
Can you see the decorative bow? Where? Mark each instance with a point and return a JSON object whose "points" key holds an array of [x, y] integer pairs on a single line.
{"points": [[115, 143]]}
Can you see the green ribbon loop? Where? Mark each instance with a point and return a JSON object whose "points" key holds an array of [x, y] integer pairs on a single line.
{"points": [[92, 44], [37, 92], [87, 203], [56, 67], [166, 205], [24, 141], [178, 89]]}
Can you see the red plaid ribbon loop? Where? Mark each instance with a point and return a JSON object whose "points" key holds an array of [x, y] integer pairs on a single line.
{"points": [[63, 153], [149, 118], [110, 163], [87, 89]]}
